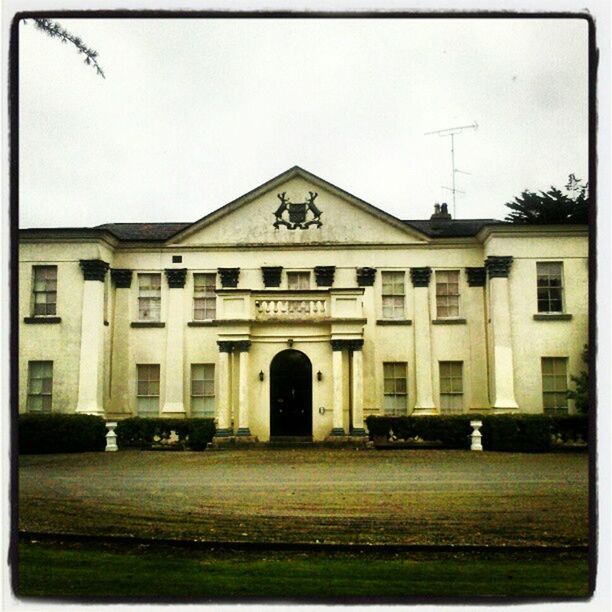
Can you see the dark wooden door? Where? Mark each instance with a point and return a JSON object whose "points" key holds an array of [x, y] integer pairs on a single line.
{"points": [[291, 394]]}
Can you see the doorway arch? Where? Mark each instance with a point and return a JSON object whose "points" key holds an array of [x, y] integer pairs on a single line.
{"points": [[290, 394]]}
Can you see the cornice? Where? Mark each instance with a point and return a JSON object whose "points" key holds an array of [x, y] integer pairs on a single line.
{"points": [[532, 231]]}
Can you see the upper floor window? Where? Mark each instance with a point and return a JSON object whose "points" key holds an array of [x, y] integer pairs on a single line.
{"points": [[395, 389], [451, 386], [393, 293], [204, 297], [44, 290], [203, 390], [40, 386], [447, 293], [147, 390], [554, 385], [149, 297], [550, 286], [298, 280]]}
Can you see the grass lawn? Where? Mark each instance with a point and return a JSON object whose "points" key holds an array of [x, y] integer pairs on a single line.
{"points": [[52, 569]]}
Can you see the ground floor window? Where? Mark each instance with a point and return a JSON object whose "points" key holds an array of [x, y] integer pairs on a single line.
{"points": [[554, 385], [396, 389], [147, 400], [451, 387], [40, 386], [202, 390]]}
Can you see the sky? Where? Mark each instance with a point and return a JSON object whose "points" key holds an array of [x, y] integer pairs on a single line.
{"points": [[194, 113]]}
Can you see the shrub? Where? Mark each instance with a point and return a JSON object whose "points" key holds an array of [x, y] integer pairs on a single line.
{"points": [[60, 433], [144, 433]]}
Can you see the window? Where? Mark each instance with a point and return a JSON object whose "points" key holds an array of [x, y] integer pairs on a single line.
{"points": [[202, 390], [393, 292], [298, 280], [396, 393], [44, 290], [149, 297], [447, 293], [40, 386], [451, 387], [147, 393], [204, 297], [554, 385], [550, 286]]}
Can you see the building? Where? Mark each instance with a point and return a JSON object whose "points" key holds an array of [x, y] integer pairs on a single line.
{"points": [[299, 309]]}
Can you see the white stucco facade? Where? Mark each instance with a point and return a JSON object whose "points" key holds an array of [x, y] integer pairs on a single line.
{"points": [[498, 331]]}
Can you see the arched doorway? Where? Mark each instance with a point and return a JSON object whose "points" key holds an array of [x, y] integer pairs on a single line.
{"points": [[290, 394]]}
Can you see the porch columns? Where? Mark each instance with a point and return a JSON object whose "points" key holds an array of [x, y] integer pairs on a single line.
{"points": [[120, 395], [242, 346], [173, 401], [498, 269], [225, 390], [91, 363], [338, 399], [422, 342], [356, 347]]}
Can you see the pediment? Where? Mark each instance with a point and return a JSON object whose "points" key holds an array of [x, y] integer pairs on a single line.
{"points": [[297, 207]]}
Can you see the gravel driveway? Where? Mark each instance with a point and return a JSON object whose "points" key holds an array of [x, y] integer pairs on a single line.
{"points": [[312, 494]]}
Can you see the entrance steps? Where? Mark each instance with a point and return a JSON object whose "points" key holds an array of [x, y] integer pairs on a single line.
{"points": [[290, 442]]}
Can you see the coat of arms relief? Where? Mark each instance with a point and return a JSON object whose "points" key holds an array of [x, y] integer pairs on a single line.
{"points": [[297, 215]]}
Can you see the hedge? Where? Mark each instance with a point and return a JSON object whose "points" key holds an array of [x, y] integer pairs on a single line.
{"points": [[144, 433], [60, 433], [529, 433]]}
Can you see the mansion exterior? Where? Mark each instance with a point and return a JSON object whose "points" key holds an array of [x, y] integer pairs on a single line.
{"points": [[298, 310]]}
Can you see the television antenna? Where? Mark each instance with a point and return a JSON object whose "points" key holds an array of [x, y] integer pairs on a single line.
{"points": [[452, 132]]}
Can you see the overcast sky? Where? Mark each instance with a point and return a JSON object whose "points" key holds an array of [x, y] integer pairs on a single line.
{"points": [[194, 113]]}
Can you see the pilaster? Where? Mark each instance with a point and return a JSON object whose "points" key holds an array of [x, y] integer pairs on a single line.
{"points": [[224, 405], [338, 395], [356, 347], [242, 347], [120, 395]]}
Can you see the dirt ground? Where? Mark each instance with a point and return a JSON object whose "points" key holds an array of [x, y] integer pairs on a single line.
{"points": [[313, 494]]}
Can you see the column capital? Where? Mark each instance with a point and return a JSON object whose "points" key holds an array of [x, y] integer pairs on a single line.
{"points": [[355, 345], [420, 276], [324, 275], [271, 275], [365, 277], [338, 345], [121, 277], [229, 276], [94, 269], [498, 266], [225, 346], [476, 276], [176, 277], [242, 346]]}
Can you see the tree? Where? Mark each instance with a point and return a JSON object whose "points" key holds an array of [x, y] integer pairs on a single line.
{"points": [[55, 30], [581, 394], [553, 206]]}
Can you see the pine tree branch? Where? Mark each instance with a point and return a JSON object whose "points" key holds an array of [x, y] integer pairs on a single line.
{"points": [[55, 30]]}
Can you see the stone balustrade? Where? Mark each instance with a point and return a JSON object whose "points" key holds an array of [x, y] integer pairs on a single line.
{"points": [[291, 307]]}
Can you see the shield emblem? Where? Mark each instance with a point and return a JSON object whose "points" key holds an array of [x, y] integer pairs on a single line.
{"points": [[297, 212]]}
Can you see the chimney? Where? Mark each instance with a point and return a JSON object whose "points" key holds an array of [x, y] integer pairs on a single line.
{"points": [[441, 212]]}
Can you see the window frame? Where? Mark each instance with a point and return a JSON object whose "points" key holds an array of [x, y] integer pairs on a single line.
{"points": [[299, 273], [46, 291], [549, 289], [206, 296], [403, 411], [455, 390], [140, 288], [203, 395], [148, 380], [397, 314], [440, 295], [42, 393], [554, 410]]}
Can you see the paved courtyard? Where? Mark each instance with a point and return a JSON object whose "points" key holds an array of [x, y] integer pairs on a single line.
{"points": [[308, 495]]}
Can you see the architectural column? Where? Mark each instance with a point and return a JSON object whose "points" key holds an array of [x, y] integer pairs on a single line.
{"points": [[242, 346], [120, 394], [338, 399], [173, 400], [422, 342], [91, 363], [356, 347], [225, 390], [476, 317], [498, 269]]}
